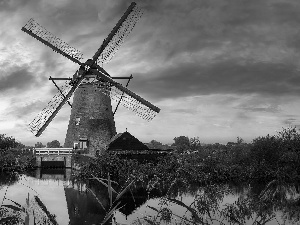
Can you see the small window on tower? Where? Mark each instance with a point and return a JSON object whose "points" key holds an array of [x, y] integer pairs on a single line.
{"points": [[83, 144], [77, 121], [76, 145]]}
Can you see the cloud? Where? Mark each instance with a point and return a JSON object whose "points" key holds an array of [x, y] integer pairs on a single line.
{"points": [[12, 5], [287, 12], [22, 110], [225, 77], [19, 79], [289, 121]]}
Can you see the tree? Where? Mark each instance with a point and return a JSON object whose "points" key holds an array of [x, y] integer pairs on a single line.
{"points": [[155, 144], [182, 143], [266, 150], [53, 144], [39, 145], [239, 140], [8, 142], [195, 144], [290, 139]]}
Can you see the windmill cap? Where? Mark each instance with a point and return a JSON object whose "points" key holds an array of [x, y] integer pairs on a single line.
{"points": [[90, 63]]}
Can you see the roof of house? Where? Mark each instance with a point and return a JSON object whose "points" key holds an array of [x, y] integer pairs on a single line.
{"points": [[125, 141]]}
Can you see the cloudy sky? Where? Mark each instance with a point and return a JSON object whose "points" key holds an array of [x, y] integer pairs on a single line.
{"points": [[218, 69]]}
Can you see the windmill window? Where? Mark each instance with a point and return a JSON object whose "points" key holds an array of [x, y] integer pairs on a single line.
{"points": [[83, 144], [77, 121]]}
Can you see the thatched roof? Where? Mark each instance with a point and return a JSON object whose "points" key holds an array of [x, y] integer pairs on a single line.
{"points": [[125, 141]]}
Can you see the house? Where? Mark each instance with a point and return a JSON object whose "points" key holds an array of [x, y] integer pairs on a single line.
{"points": [[125, 141], [125, 145]]}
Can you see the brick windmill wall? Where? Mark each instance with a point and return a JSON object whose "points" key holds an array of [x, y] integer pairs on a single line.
{"points": [[91, 122]]}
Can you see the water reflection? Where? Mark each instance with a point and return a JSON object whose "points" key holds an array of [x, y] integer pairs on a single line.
{"points": [[63, 197], [134, 199], [53, 173], [70, 201], [82, 206], [274, 203]]}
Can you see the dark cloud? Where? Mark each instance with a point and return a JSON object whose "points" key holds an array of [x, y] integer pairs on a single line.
{"points": [[20, 79], [239, 13], [286, 12], [225, 77], [8, 5], [174, 28]]}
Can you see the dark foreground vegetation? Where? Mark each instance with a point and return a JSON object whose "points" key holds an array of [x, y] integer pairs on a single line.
{"points": [[14, 156], [265, 159]]}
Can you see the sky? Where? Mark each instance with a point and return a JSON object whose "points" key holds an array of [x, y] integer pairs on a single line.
{"points": [[217, 69]]}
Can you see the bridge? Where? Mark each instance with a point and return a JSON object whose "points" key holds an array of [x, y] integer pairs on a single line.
{"points": [[53, 157]]}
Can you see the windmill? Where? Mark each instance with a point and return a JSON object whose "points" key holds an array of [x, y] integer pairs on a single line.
{"points": [[91, 123]]}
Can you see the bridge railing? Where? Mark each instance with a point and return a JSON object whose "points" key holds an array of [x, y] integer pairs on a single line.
{"points": [[53, 151]]}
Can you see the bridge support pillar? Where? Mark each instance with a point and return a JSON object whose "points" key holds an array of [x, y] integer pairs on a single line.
{"points": [[39, 161]]}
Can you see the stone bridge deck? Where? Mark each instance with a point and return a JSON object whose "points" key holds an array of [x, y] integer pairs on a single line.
{"points": [[53, 157]]}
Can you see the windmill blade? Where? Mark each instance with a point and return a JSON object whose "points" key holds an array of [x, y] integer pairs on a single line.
{"points": [[118, 34], [133, 102], [40, 33], [42, 120], [129, 100]]}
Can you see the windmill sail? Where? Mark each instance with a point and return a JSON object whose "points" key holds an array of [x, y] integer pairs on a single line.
{"points": [[42, 120], [40, 33], [110, 45], [133, 102], [119, 33], [130, 100]]}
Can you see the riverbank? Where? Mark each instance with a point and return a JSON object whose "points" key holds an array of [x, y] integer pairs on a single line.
{"points": [[16, 160]]}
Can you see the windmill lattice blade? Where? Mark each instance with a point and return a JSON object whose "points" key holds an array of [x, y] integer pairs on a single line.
{"points": [[121, 34], [41, 121], [129, 100], [131, 103], [40, 33]]}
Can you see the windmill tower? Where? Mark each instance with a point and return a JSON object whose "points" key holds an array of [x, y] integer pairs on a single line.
{"points": [[91, 123]]}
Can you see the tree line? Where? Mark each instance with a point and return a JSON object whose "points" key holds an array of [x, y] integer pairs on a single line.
{"points": [[51, 144], [7, 143]]}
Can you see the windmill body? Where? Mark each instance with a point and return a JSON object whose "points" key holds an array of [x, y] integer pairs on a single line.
{"points": [[91, 123]]}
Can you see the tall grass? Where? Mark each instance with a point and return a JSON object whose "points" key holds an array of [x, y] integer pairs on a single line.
{"points": [[114, 203]]}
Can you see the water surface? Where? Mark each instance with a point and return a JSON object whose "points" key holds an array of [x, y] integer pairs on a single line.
{"points": [[71, 203]]}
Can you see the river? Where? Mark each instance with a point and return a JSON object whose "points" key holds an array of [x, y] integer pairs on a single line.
{"points": [[70, 202]]}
